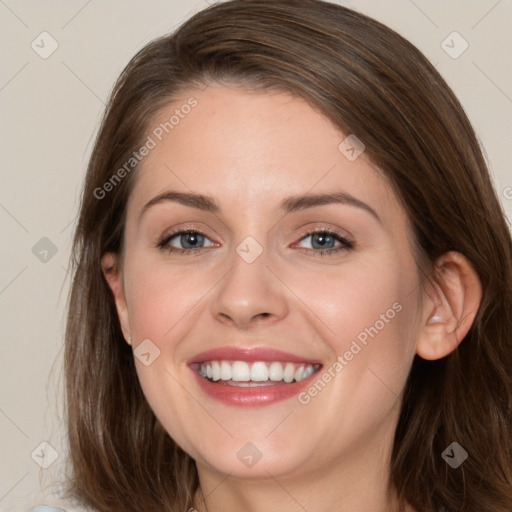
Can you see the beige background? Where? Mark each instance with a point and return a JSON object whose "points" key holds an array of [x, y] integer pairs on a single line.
{"points": [[50, 111]]}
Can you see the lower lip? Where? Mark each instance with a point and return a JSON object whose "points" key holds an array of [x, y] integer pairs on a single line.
{"points": [[252, 396]]}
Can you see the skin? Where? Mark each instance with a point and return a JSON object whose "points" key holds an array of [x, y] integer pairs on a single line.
{"points": [[249, 151]]}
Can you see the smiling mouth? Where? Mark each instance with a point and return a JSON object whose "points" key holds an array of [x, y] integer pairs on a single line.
{"points": [[253, 374]]}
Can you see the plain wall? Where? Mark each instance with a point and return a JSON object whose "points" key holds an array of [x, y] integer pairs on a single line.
{"points": [[50, 111]]}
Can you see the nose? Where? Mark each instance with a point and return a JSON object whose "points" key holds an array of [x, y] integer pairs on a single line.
{"points": [[250, 294]]}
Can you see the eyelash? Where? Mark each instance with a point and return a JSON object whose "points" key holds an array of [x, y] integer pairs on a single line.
{"points": [[347, 245]]}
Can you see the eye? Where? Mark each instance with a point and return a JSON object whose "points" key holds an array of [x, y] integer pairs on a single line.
{"points": [[325, 240], [190, 239]]}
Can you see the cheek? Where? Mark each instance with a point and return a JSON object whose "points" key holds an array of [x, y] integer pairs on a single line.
{"points": [[162, 297], [369, 311], [359, 301], [163, 302], [366, 313]]}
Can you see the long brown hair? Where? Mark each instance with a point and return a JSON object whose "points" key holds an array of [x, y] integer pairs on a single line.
{"points": [[371, 82]]}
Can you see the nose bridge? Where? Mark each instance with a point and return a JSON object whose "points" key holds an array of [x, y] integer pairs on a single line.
{"points": [[249, 291]]}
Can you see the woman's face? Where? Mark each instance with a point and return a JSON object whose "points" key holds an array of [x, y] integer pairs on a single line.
{"points": [[252, 297]]}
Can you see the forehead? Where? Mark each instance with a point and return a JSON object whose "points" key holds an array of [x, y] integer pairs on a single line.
{"points": [[250, 149]]}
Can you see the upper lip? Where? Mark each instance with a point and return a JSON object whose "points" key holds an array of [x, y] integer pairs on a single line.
{"points": [[252, 354]]}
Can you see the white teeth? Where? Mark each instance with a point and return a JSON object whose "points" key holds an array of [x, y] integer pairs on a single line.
{"points": [[289, 372], [259, 371], [308, 370], [225, 371], [215, 370], [275, 371], [240, 371]]}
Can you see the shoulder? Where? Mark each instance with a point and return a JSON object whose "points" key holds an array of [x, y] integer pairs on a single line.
{"points": [[46, 508], [58, 505]]}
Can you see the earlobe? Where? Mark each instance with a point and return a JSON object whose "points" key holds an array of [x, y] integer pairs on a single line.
{"points": [[451, 306], [114, 277]]}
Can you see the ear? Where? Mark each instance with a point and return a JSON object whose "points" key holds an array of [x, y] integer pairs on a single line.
{"points": [[114, 276], [451, 306]]}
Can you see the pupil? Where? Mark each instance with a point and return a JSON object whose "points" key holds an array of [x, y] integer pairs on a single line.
{"points": [[192, 239], [322, 239]]}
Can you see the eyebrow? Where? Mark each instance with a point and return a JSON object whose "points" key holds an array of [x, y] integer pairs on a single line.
{"points": [[288, 205]]}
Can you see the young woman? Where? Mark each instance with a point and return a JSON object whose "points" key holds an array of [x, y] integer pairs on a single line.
{"points": [[292, 279]]}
